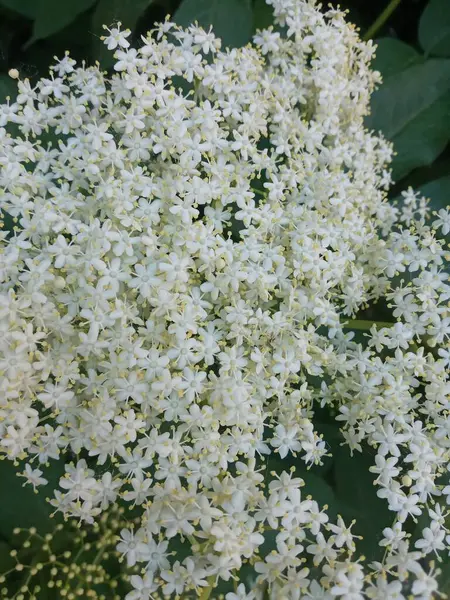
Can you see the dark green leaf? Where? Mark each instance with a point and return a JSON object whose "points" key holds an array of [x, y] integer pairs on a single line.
{"points": [[315, 484], [444, 577], [423, 520], [358, 500], [394, 56], [109, 12], [319, 490], [7, 562], [434, 28], [20, 506], [231, 19], [8, 87], [438, 192], [262, 15], [53, 15], [26, 8], [412, 109]]}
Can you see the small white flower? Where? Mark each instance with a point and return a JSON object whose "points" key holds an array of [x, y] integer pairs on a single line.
{"points": [[33, 476]]}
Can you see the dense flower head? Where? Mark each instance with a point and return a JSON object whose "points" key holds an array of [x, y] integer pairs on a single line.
{"points": [[192, 235]]}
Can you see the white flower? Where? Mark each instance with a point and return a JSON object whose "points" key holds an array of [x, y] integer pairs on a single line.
{"points": [[117, 38], [343, 534], [286, 440], [443, 221], [143, 587], [132, 546], [33, 476]]}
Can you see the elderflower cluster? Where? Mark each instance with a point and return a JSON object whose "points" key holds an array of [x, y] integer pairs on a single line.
{"points": [[192, 235]]}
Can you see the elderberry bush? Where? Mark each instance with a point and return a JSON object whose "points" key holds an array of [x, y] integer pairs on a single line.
{"points": [[195, 236]]}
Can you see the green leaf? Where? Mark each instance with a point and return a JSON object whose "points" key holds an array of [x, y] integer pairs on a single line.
{"points": [[320, 491], [20, 506], [231, 19], [109, 12], [412, 109], [26, 8], [8, 87], [315, 484], [358, 500], [394, 56], [423, 520], [438, 191], [262, 15], [444, 577], [434, 28], [7, 562], [53, 15]]}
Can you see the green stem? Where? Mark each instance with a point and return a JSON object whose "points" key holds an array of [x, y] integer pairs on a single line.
{"points": [[98, 556], [381, 19], [364, 325], [263, 192], [30, 567]]}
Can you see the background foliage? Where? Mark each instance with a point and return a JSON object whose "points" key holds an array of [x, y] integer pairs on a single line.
{"points": [[412, 108]]}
